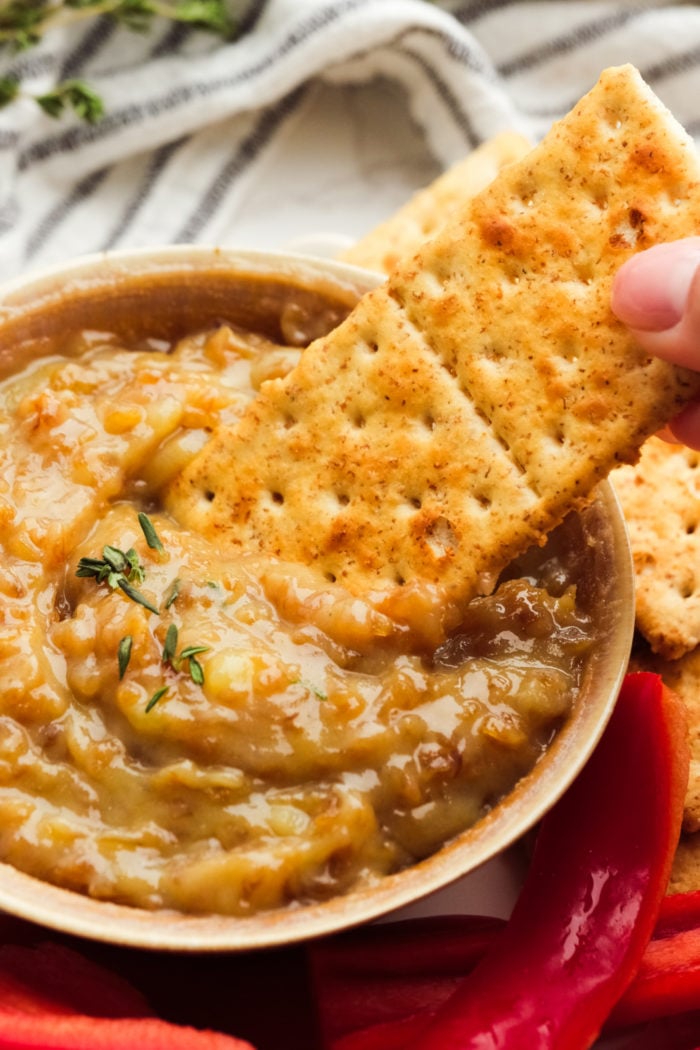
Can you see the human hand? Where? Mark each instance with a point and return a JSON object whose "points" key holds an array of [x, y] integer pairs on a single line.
{"points": [[657, 295]]}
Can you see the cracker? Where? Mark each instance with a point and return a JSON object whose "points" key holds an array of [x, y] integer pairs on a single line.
{"points": [[683, 676], [467, 404], [422, 216], [660, 498]]}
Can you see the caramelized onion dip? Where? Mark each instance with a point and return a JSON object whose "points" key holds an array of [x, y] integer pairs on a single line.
{"points": [[183, 728]]}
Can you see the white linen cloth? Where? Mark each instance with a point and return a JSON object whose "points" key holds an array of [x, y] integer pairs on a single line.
{"points": [[191, 121]]}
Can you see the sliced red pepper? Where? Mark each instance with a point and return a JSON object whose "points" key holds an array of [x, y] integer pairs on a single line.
{"points": [[667, 982], [54, 998], [590, 901], [679, 911], [78, 1032], [387, 971]]}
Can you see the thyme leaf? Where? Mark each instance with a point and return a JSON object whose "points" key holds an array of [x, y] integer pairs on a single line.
{"points": [[75, 95], [124, 654], [136, 596], [170, 647], [23, 23], [174, 592], [149, 531], [158, 695]]}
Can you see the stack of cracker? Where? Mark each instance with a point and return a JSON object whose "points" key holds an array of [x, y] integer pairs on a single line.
{"points": [[660, 498], [480, 393]]}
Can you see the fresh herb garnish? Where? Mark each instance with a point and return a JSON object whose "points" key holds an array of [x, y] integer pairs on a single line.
{"points": [[124, 654], [196, 670], [170, 647], [158, 695], [75, 95], [173, 593], [117, 568], [149, 531], [311, 688], [23, 23]]}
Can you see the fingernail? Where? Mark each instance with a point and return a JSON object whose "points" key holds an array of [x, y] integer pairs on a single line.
{"points": [[651, 289]]}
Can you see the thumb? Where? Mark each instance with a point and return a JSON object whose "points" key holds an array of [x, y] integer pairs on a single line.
{"points": [[657, 295]]}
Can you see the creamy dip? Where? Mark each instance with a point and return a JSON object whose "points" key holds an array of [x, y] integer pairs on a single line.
{"points": [[184, 729]]}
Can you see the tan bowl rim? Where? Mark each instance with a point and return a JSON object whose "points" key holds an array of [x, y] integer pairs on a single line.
{"points": [[69, 912]]}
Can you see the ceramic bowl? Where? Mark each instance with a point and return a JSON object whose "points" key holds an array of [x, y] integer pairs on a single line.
{"points": [[174, 290]]}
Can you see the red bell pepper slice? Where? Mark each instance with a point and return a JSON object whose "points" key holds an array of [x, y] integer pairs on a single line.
{"points": [[589, 904], [53, 998], [679, 911]]}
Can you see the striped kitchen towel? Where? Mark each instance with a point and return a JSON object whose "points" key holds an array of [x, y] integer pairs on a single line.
{"points": [[194, 125]]}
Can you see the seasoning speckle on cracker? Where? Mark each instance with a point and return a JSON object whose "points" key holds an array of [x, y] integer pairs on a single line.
{"points": [[471, 401]]}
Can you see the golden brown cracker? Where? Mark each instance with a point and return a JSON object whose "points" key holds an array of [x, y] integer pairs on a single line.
{"points": [[422, 216], [683, 676], [685, 872], [469, 402], [660, 498]]}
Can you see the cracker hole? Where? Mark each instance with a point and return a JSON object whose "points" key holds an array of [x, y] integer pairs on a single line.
{"points": [[343, 499], [399, 579], [288, 421], [690, 528], [483, 500], [415, 502], [687, 590], [209, 495], [372, 346], [276, 496], [358, 420], [429, 421], [330, 576]]}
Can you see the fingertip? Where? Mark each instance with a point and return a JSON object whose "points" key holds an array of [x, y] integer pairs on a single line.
{"points": [[650, 290], [684, 429]]}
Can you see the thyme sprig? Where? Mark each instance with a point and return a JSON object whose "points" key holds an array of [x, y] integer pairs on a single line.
{"points": [[23, 24], [118, 568], [187, 655]]}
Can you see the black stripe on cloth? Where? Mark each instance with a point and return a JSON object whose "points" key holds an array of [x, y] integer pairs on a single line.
{"points": [[446, 95], [251, 16], [87, 47], [8, 139], [84, 189], [479, 9], [9, 214], [33, 65], [672, 65], [158, 163], [172, 40], [566, 42], [244, 153], [78, 135]]}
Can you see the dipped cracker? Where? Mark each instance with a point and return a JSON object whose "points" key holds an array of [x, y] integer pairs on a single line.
{"points": [[467, 404], [423, 215], [660, 498]]}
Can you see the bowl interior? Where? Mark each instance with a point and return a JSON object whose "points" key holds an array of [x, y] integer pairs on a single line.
{"points": [[171, 292]]}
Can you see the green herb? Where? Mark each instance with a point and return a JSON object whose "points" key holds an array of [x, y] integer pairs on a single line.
{"points": [[117, 568], [23, 23], [170, 647], [149, 531], [311, 688], [196, 670], [137, 597], [158, 695], [124, 654], [174, 592], [75, 95]]}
